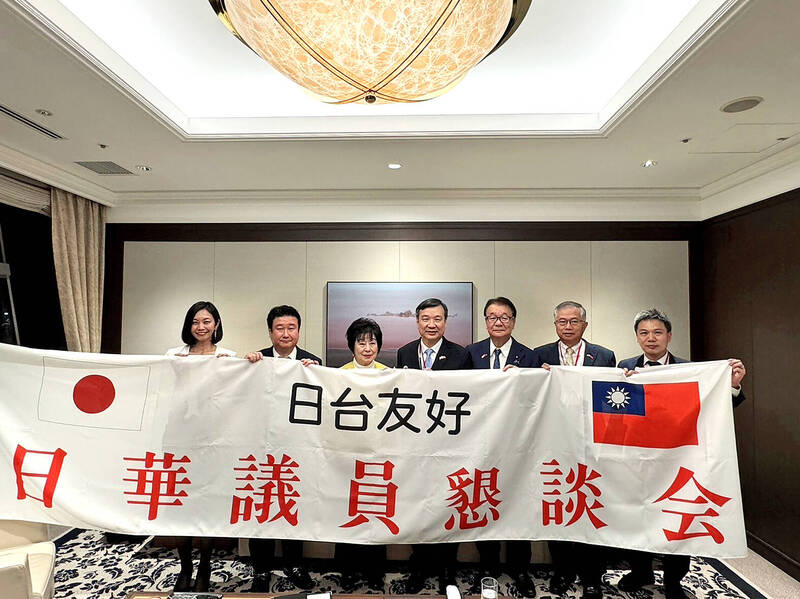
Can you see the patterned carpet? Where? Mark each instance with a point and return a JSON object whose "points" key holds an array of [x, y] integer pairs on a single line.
{"points": [[89, 568]]}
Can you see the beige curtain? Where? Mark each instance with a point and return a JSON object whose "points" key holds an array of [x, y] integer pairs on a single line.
{"points": [[79, 231]]}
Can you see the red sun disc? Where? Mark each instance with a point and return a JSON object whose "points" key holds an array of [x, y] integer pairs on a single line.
{"points": [[93, 394]]}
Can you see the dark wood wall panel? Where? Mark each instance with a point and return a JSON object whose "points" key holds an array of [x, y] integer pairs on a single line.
{"points": [[751, 292]]}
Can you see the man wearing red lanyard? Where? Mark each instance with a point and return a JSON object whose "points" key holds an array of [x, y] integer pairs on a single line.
{"points": [[571, 559], [653, 334]]}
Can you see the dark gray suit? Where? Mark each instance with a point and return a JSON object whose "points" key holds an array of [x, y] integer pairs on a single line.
{"points": [[451, 356], [269, 352]]}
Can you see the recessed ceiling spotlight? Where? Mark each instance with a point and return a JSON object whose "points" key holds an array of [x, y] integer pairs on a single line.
{"points": [[686, 140], [649, 163], [144, 167], [43, 112], [102, 146], [394, 166], [742, 104]]}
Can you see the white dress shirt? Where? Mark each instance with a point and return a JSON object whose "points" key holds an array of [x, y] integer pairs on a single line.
{"points": [[423, 348]]}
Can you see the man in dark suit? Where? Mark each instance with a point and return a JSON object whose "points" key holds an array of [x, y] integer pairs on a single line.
{"points": [[653, 334], [571, 559], [501, 351], [431, 352], [283, 324], [572, 349]]}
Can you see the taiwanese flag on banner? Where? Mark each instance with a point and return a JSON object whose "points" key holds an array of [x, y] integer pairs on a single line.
{"points": [[662, 415], [94, 395]]}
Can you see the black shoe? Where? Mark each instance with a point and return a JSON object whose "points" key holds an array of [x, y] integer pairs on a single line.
{"points": [[261, 582], [560, 583], [375, 583], [524, 584], [202, 582], [475, 584], [299, 577], [413, 582], [674, 590], [592, 591], [184, 582], [446, 577], [633, 581], [350, 580]]}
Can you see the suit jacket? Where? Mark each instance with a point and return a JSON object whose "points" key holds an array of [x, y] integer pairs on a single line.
{"points": [[594, 355], [451, 356], [638, 362], [301, 354], [479, 354]]}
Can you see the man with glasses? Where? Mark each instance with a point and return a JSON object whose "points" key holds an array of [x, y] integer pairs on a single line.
{"points": [[431, 352], [500, 351], [571, 559]]}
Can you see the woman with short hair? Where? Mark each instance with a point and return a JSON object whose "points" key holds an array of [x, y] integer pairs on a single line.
{"points": [[364, 338]]}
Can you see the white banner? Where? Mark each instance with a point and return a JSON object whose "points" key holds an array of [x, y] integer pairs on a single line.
{"points": [[220, 447]]}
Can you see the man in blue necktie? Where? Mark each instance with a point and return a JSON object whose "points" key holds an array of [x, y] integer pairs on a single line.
{"points": [[431, 352]]}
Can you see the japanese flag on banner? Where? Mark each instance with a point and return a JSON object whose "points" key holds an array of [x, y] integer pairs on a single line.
{"points": [[93, 395]]}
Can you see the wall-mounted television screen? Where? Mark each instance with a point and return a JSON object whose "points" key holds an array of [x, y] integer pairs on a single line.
{"points": [[392, 306]]}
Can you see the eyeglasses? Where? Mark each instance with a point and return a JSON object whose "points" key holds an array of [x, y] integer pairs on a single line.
{"points": [[562, 322], [505, 318]]}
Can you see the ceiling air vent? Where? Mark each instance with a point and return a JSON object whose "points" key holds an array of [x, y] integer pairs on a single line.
{"points": [[105, 167], [29, 123]]}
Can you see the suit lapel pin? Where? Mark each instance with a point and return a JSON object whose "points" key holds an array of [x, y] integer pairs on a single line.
{"points": [[484, 356], [442, 357]]}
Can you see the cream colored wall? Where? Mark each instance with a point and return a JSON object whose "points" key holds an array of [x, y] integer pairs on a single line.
{"points": [[612, 279]]}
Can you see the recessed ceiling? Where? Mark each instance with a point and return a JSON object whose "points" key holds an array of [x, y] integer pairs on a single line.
{"points": [[570, 66], [553, 126]]}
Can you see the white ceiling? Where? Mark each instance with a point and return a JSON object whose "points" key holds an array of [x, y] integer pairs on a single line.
{"points": [[553, 126]]}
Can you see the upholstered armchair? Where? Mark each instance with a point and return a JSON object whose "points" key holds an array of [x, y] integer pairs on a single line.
{"points": [[27, 561]]}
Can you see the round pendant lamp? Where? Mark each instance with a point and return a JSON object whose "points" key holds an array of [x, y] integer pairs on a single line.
{"points": [[345, 51]]}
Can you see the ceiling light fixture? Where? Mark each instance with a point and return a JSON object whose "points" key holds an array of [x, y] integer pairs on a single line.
{"points": [[742, 104], [43, 112], [649, 163], [144, 168], [394, 166], [370, 51]]}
